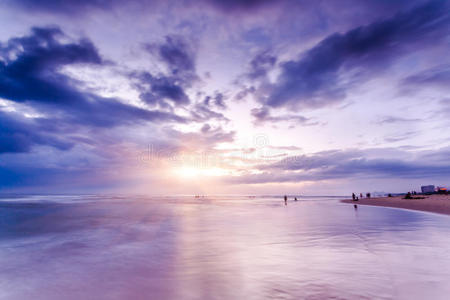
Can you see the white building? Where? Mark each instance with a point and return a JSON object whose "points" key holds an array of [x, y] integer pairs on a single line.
{"points": [[427, 189]]}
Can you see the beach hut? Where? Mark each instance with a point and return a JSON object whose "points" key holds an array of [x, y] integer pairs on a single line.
{"points": [[427, 189]]}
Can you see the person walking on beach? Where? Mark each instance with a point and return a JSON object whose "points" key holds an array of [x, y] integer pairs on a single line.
{"points": [[353, 196], [295, 199], [285, 200]]}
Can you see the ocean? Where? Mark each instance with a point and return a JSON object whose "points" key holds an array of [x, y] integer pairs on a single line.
{"points": [[218, 247]]}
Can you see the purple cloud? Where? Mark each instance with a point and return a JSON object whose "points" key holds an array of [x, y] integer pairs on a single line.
{"points": [[345, 164], [32, 76], [80, 6], [19, 134], [438, 76], [261, 64], [177, 53], [160, 89], [218, 101], [313, 80], [263, 115]]}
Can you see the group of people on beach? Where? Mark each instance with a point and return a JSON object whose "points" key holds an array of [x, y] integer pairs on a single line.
{"points": [[356, 198], [286, 198]]}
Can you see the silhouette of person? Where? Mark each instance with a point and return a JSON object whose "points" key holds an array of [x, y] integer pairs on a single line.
{"points": [[285, 200], [295, 199], [353, 196], [360, 195]]}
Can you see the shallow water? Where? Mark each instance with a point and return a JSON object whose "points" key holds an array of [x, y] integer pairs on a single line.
{"points": [[105, 247]]}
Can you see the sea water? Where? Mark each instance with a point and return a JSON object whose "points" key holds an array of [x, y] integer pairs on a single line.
{"points": [[218, 247]]}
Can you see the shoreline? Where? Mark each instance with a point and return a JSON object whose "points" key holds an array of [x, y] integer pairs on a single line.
{"points": [[435, 203]]}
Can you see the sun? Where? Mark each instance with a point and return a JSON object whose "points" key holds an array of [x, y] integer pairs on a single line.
{"points": [[187, 172]]}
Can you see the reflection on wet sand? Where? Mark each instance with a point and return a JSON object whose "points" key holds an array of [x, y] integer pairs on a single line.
{"points": [[220, 248]]}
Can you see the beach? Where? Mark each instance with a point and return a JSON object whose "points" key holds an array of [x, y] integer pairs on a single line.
{"points": [[218, 247], [435, 203]]}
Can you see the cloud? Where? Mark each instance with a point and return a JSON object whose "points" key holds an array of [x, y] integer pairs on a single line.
{"points": [[262, 115], [315, 79], [261, 64], [347, 164], [82, 6], [19, 134], [218, 101], [205, 140], [396, 120], [29, 67], [205, 128], [201, 112], [438, 76], [288, 148], [74, 6], [445, 103], [444, 109], [241, 5], [244, 92], [157, 90], [176, 52], [400, 136], [204, 110], [30, 73], [179, 56]]}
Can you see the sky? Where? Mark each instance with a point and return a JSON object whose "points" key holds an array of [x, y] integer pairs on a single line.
{"points": [[224, 97]]}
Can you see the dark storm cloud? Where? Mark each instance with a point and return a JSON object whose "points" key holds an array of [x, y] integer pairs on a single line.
{"points": [[81, 6], [30, 73], [159, 89], [263, 115], [29, 65], [19, 134], [241, 4], [75, 6], [313, 80], [344, 164]]}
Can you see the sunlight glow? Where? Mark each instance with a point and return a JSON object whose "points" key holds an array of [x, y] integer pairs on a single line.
{"points": [[190, 172]]}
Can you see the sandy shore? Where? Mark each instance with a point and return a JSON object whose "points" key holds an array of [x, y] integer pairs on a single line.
{"points": [[432, 203]]}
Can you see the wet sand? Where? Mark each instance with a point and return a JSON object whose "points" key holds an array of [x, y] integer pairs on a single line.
{"points": [[432, 203], [218, 248]]}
